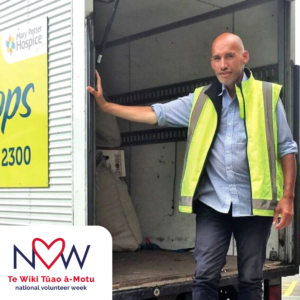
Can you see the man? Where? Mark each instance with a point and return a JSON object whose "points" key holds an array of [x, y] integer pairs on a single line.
{"points": [[239, 171]]}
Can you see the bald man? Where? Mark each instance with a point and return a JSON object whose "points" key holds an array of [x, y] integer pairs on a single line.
{"points": [[239, 173]]}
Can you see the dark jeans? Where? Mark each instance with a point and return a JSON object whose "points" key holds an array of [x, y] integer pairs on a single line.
{"points": [[213, 234]]}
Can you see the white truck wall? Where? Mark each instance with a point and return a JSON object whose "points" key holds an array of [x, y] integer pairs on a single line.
{"points": [[79, 111], [152, 169], [258, 27], [184, 54], [179, 55], [53, 205]]}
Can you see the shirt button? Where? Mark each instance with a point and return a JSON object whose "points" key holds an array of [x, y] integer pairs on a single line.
{"points": [[228, 138], [229, 124], [227, 151], [228, 168]]}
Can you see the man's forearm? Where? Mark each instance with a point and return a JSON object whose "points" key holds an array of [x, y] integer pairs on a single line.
{"points": [[288, 163], [141, 114]]}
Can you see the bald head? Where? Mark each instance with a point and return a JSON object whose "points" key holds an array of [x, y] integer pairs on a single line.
{"points": [[228, 38], [228, 58]]}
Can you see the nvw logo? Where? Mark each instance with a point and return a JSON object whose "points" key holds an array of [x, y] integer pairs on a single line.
{"points": [[59, 255]]}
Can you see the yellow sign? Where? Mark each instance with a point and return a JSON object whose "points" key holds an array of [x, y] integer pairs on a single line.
{"points": [[24, 106]]}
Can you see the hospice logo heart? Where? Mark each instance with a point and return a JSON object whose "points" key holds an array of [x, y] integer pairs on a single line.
{"points": [[48, 247]]}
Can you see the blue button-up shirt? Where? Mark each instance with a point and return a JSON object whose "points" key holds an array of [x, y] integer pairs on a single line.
{"points": [[227, 168]]}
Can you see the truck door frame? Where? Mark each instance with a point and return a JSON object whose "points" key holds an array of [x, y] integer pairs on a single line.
{"points": [[91, 121]]}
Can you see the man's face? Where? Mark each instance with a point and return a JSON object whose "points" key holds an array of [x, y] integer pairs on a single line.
{"points": [[228, 60]]}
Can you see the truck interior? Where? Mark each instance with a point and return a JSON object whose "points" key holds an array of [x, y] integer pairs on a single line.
{"points": [[156, 51]]}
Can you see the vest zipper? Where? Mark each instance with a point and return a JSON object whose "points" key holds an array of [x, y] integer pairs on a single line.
{"points": [[240, 87]]}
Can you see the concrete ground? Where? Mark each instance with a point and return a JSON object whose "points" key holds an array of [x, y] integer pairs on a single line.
{"points": [[291, 287]]}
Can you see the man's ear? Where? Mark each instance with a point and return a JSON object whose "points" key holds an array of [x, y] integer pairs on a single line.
{"points": [[246, 56], [211, 62]]}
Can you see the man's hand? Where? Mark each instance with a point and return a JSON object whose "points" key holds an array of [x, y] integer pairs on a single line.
{"points": [[98, 93], [285, 205], [286, 209], [141, 114]]}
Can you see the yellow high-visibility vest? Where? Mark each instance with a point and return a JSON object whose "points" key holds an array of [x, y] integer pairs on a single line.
{"points": [[257, 106]]}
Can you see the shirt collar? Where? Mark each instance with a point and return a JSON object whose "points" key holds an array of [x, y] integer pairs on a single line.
{"points": [[224, 87]]}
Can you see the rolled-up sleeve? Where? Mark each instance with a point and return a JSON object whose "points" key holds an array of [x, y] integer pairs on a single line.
{"points": [[175, 113], [286, 144]]}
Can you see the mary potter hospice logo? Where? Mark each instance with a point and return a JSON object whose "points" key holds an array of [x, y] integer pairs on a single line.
{"points": [[24, 41], [10, 44], [56, 262]]}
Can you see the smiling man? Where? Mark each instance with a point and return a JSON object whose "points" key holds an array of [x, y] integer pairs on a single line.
{"points": [[239, 170]]}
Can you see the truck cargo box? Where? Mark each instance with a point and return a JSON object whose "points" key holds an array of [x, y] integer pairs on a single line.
{"points": [[150, 52]]}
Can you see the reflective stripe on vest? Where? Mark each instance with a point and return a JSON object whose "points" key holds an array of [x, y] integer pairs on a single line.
{"points": [[265, 168], [197, 163]]}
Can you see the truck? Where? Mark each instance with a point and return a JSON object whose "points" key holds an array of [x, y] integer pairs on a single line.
{"points": [[146, 52]]}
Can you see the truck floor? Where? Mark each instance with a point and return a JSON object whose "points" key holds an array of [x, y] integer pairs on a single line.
{"points": [[155, 267]]}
